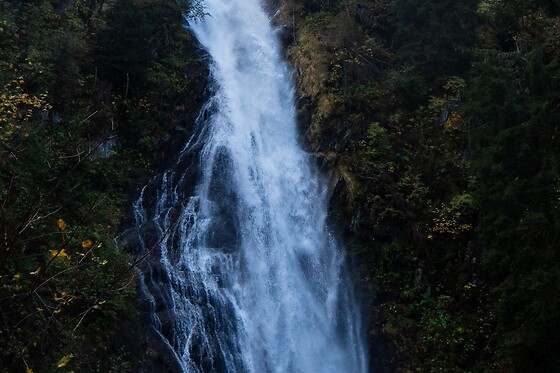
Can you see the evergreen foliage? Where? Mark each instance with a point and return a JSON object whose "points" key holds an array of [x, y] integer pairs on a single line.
{"points": [[88, 92], [440, 118]]}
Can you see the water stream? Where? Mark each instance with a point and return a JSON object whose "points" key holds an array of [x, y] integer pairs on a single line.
{"points": [[244, 274]]}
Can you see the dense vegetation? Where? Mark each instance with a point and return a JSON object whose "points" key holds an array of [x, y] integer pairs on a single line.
{"points": [[441, 119], [88, 91]]}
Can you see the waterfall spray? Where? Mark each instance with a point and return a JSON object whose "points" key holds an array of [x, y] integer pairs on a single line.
{"points": [[246, 276]]}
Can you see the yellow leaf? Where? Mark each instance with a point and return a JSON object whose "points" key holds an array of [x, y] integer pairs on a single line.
{"points": [[17, 276], [64, 360], [63, 295], [62, 254], [28, 370], [86, 244], [36, 272], [103, 262], [61, 224]]}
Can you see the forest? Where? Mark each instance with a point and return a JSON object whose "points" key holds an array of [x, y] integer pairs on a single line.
{"points": [[437, 121]]}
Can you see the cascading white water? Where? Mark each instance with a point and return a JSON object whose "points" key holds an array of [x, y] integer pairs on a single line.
{"points": [[245, 276]]}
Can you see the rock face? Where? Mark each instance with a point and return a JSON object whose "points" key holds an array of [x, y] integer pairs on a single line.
{"points": [[142, 343]]}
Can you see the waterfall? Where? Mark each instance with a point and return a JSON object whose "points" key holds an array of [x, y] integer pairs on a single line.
{"points": [[243, 273]]}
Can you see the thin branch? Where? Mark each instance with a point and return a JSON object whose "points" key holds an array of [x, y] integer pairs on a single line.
{"points": [[82, 318], [92, 114]]}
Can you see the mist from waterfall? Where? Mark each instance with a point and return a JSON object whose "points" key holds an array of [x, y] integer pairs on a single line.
{"points": [[246, 276]]}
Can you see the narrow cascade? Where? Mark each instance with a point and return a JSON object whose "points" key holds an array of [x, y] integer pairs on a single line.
{"points": [[243, 274]]}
